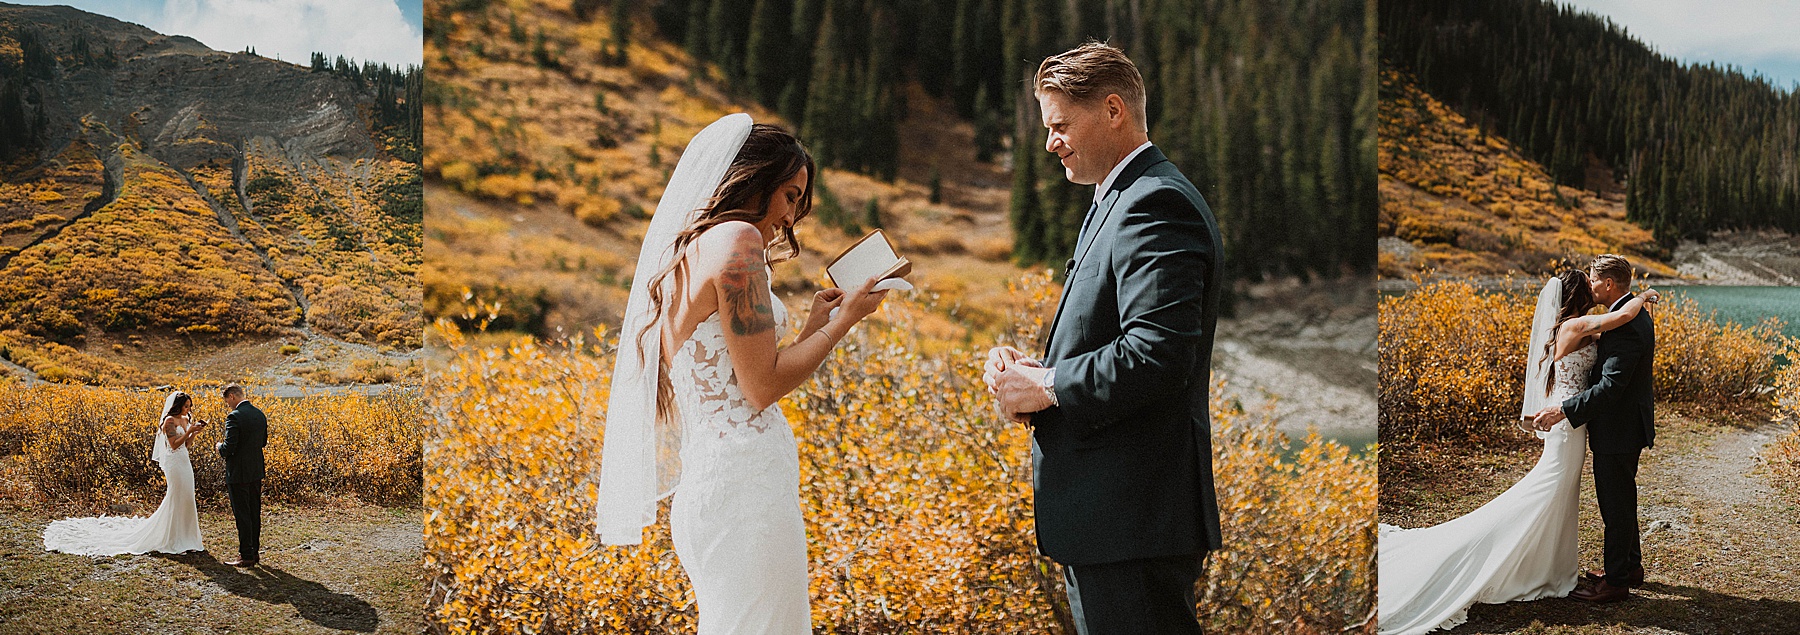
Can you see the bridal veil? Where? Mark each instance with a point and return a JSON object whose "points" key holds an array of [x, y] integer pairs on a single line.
{"points": [[640, 462]]}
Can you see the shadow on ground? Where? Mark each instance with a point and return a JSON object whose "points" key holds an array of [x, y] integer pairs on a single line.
{"points": [[264, 583], [1657, 608]]}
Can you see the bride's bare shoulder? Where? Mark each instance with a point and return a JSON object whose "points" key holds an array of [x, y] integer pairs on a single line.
{"points": [[730, 233], [722, 243]]}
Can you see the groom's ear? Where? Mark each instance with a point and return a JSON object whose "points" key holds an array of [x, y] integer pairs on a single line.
{"points": [[1114, 109]]}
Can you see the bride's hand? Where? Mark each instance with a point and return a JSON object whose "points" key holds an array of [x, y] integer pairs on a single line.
{"points": [[1651, 296], [863, 301], [822, 304]]}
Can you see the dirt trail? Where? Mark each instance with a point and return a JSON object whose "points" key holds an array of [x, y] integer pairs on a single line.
{"points": [[1717, 539], [324, 570]]}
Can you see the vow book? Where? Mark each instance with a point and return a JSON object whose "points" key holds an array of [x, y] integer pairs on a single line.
{"points": [[871, 257]]}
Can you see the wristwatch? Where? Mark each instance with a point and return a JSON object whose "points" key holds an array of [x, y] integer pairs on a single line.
{"points": [[1049, 384]]}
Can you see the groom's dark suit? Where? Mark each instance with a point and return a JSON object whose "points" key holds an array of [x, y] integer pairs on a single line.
{"points": [[1617, 409], [1123, 472], [246, 432]]}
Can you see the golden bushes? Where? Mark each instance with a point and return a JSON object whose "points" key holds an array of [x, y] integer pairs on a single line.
{"points": [[38, 199], [1452, 360], [1698, 359], [60, 363], [163, 252], [84, 443], [917, 502]]}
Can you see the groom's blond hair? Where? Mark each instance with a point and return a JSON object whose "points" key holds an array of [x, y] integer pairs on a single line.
{"points": [[1612, 267], [1090, 72]]}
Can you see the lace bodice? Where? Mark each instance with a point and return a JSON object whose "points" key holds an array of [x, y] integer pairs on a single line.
{"points": [[162, 447], [706, 384], [736, 521], [1572, 373]]}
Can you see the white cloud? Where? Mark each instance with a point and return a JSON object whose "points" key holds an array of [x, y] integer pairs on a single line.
{"points": [[1755, 34], [294, 29]]}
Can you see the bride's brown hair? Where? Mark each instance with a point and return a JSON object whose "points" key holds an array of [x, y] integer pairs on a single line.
{"points": [[769, 157], [181, 400], [1578, 299]]}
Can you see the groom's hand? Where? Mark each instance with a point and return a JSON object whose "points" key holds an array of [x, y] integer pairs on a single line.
{"points": [[999, 358], [1548, 418], [1020, 389]]}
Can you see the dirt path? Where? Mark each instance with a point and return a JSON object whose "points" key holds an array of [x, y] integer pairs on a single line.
{"points": [[1718, 540], [324, 570]]}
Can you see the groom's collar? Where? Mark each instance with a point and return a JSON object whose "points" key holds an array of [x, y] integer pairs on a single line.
{"points": [[1621, 301], [1119, 170]]}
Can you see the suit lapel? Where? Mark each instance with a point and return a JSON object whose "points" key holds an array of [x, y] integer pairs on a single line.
{"points": [[1087, 225], [1091, 224]]}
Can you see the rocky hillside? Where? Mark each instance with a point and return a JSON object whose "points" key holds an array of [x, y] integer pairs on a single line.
{"points": [[176, 210]]}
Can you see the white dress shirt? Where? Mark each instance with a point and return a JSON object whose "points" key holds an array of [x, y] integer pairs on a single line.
{"points": [[1100, 192]]}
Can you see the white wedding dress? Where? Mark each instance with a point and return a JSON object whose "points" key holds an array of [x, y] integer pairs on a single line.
{"points": [[173, 528], [736, 518], [1520, 546]]}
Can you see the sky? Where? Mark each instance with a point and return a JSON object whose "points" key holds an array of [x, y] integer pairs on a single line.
{"points": [[1759, 36], [386, 31]]}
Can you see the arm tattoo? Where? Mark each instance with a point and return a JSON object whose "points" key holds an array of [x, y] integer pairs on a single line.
{"points": [[746, 286]]}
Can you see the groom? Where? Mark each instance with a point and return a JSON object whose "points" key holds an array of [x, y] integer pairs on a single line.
{"points": [[1121, 435], [246, 432], [1617, 408]]}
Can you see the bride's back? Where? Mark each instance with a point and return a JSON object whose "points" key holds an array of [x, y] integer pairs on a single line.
{"points": [[1572, 373]]}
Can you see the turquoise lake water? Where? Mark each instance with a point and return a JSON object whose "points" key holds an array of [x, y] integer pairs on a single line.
{"points": [[1748, 305]]}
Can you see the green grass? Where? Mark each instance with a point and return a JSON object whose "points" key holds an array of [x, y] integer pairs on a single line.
{"points": [[324, 570]]}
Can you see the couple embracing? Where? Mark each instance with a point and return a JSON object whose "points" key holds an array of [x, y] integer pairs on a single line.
{"points": [[175, 526], [1121, 451], [1588, 386]]}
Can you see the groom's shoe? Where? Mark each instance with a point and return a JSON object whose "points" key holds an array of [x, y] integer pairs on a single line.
{"points": [[1635, 580], [1602, 593], [242, 563]]}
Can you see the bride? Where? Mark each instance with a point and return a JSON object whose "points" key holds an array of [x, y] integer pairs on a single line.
{"points": [[699, 373], [1521, 545], [174, 528]]}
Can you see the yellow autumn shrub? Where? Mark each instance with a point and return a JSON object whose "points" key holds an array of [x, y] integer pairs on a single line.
{"points": [[917, 499], [1452, 360], [79, 443]]}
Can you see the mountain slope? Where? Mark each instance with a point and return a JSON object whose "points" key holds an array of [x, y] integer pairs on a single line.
{"points": [[1700, 148], [172, 196], [1458, 200], [544, 166]]}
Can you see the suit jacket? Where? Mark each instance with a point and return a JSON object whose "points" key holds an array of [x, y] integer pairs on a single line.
{"points": [[1618, 406], [1123, 466], [246, 432]]}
